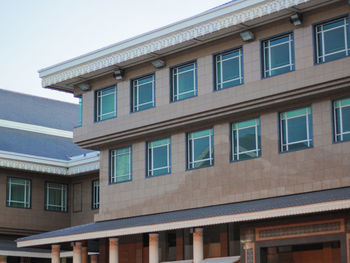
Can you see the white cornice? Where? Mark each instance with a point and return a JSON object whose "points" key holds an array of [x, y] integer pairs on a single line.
{"points": [[35, 128], [206, 23], [48, 165]]}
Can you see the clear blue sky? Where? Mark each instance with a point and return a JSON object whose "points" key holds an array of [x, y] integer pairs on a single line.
{"points": [[39, 33]]}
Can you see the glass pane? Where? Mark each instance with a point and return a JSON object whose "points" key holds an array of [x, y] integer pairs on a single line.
{"points": [[297, 129], [333, 24], [107, 104], [247, 139], [230, 69], [159, 142], [198, 134], [334, 40], [345, 102], [279, 40], [122, 165], [346, 119], [338, 121], [186, 68], [186, 82], [122, 150], [160, 171], [280, 56], [122, 178], [201, 164], [245, 124], [80, 110], [17, 192], [201, 148], [160, 157], [320, 47], [295, 113]]}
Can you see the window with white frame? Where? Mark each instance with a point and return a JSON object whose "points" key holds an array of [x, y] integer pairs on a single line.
{"points": [[106, 103], [158, 157], [56, 197], [95, 194], [120, 166], [184, 81], [341, 118], [18, 192], [296, 129], [200, 149], [143, 93], [332, 40], [246, 140], [228, 69], [278, 55]]}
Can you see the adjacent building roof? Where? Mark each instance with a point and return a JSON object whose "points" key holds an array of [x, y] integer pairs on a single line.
{"points": [[40, 111], [304, 203], [36, 135]]}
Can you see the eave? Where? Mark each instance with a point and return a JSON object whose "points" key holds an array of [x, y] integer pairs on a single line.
{"points": [[219, 22]]}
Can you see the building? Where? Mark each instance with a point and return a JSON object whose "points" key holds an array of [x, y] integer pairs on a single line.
{"points": [[223, 138], [41, 172]]}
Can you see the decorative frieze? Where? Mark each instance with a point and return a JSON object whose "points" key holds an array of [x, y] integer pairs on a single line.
{"points": [[167, 40]]}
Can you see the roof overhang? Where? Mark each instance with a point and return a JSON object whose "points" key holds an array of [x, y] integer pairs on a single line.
{"points": [[300, 204], [83, 164], [225, 20]]}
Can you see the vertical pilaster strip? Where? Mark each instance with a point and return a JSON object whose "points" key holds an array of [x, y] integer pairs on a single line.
{"points": [[180, 244], [113, 250], [77, 252], [224, 240], [198, 253], [84, 254], [153, 248], [103, 249], [93, 259], [55, 253]]}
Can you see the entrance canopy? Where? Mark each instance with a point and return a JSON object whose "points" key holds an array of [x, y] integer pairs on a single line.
{"points": [[297, 204]]}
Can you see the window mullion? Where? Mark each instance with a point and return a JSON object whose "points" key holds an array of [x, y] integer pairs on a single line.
{"points": [[256, 139], [237, 144], [221, 72], [323, 45], [168, 156], [290, 52], [210, 149], [341, 122], [10, 191], [346, 38], [307, 128], [193, 160]]}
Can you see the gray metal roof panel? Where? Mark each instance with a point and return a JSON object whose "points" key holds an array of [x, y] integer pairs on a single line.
{"points": [[34, 110], [203, 212], [31, 143]]}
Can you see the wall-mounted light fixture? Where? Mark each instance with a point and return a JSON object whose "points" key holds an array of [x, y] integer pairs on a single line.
{"points": [[297, 19], [118, 74], [247, 36], [160, 63], [84, 86]]}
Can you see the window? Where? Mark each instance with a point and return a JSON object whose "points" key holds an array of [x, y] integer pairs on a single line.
{"points": [[18, 192], [341, 117], [332, 40], [296, 129], [80, 114], [228, 69], [142, 93], [95, 194], [184, 82], [278, 54], [246, 140], [106, 103], [158, 157], [56, 197], [120, 165], [200, 149]]}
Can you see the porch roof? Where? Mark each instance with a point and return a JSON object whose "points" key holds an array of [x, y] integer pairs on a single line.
{"points": [[296, 204]]}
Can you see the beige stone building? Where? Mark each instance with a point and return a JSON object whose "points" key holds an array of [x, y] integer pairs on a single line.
{"points": [[223, 138]]}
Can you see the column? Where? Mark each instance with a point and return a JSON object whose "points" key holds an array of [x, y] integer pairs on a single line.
{"points": [[84, 254], [180, 244], [154, 248], [93, 259], [198, 245], [77, 252], [55, 253], [113, 250], [3, 259], [103, 250]]}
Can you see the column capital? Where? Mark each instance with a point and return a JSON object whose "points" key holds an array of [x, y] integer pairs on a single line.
{"points": [[114, 239], [78, 243]]}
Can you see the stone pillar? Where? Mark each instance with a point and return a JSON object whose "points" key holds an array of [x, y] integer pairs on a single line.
{"points": [[154, 248], [84, 254], [3, 259], [198, 245], [113, 250], [55, 253], [93, 259], [103, 251], [77, 252]]}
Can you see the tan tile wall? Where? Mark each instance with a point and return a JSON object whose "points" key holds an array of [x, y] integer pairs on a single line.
{"points": [[305, 74], [36, 218], [322, 167]]}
